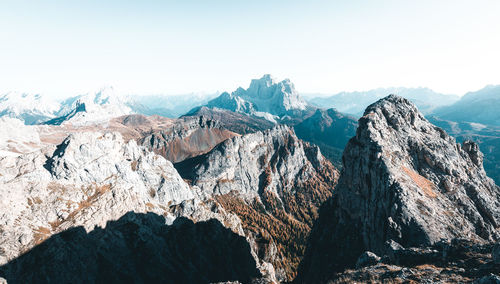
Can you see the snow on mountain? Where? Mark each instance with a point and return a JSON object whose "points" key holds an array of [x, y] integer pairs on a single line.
{"points": [[265, 97], [30, 108], [17, 138], [93, 108]]}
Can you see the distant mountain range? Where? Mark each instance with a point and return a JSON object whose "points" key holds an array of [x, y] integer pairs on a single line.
{"points": [[355, 102], [30, 108], [481, 107], [94, 107]]}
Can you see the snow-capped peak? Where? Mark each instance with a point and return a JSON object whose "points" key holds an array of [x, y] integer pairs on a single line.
{"points": [[93, 107], [31, 108]]}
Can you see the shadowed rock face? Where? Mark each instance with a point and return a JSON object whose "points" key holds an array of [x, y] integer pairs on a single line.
{"points": [[406, 180], [274, 183], [138, 248]]}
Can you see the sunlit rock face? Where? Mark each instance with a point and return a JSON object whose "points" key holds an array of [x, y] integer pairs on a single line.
{"points": [[404, 180], [275, 183]]}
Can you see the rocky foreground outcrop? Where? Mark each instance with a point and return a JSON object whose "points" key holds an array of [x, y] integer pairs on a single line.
{"points": [[80, 205], [86, 181], [406, 182], [274, 183]]}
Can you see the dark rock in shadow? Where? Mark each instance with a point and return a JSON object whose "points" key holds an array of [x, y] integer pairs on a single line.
{"points": [[138, 248]]}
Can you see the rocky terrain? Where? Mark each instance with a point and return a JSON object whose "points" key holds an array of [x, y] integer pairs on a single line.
{"points": [[486, 136], [455, 261], [66, 195], [405, 181], [274, 183]]}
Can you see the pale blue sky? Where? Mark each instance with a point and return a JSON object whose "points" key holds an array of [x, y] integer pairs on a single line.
{"points": [[68, 47]]}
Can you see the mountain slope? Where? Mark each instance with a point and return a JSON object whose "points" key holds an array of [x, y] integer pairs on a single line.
{"points": [[480, 106], [406, 181], [330, 130]]}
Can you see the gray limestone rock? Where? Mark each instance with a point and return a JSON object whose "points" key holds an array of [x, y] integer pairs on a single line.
{"points": [[403, 179]]}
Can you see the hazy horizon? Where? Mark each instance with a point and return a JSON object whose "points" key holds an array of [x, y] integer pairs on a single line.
{"points": [[64, 49]]}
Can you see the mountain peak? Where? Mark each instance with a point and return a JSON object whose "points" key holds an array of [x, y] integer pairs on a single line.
{"points": [[405, 180], [265, 97]]}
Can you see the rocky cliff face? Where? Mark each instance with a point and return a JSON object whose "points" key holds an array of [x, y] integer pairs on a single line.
{"points": [[188, 137], [274, 183], [87, 180], [404, 180]]}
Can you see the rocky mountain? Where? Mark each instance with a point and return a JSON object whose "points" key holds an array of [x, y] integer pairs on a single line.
{"points": [[274, 183], [187, 137], [486, 136], [355, 102], [330, 130], [30, 108], [480, 107], [448, 261], [404, 183], [265, 97]]}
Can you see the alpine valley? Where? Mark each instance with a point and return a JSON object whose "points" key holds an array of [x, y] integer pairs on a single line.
{"points": [[257, 185]]}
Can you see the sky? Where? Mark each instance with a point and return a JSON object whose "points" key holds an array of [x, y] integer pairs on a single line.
{"points": [[62, 48]]}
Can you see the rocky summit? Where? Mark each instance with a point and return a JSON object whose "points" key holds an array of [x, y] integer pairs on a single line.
{"points": [[404, 182]]}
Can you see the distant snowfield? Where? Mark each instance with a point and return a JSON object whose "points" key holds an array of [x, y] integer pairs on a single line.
{"points": [[17, 138]]}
